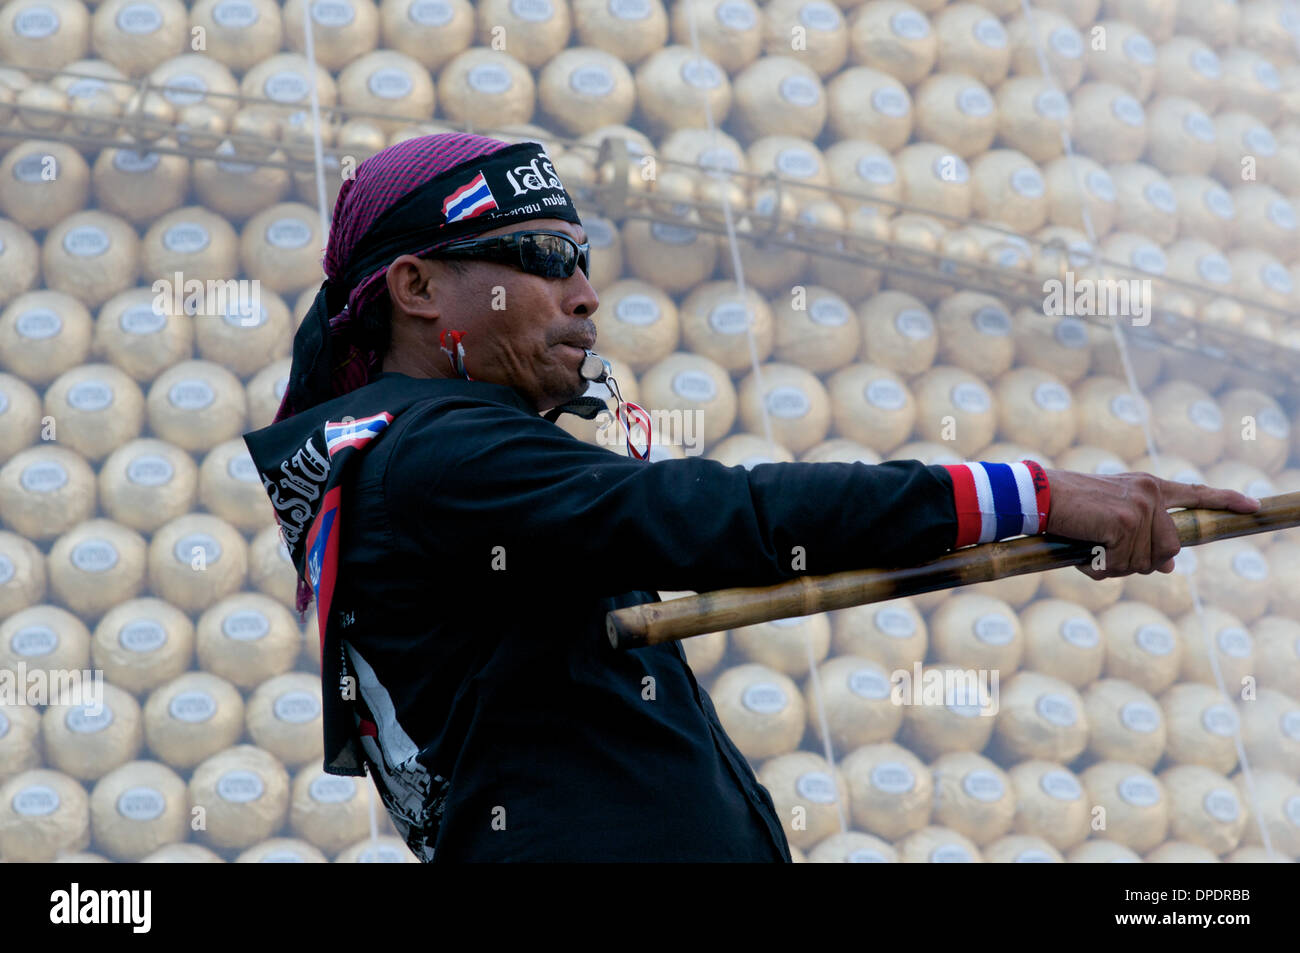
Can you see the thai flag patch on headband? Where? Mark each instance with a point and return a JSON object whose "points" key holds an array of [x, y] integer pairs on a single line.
{"points": [[999, 500], [340, 434], [469, 200]]}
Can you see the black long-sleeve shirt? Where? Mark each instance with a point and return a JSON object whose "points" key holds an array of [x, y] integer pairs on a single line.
{"points": [[481, 548]]}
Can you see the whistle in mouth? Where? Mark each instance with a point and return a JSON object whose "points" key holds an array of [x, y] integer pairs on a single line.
{"points": [[594, 367]]}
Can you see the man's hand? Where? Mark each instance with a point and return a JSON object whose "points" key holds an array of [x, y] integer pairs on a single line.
{"points": [[1126, 513]]}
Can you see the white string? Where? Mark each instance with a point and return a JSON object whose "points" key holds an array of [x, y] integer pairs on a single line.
{"points": [[1136, 390], [1246, 771], [1291, 8], [733, 244], [318, 148], [815, 685], [738, 269]]}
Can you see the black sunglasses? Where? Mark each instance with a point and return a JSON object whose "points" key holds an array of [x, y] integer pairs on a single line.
{"points": [[548, 254]]}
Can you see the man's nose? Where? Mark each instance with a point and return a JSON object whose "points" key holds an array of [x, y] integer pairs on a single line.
{"points": [[580, 296]]}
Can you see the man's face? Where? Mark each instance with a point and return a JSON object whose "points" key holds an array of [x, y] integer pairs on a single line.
{"points": [[521, 330]]}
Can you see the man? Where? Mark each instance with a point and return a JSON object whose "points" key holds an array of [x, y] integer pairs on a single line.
{"points": [[463, 549]]}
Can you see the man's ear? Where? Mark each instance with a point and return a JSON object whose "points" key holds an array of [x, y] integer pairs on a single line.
{"points": [[410, 286]]}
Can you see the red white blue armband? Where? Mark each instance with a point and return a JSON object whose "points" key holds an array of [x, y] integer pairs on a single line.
{"points": [[999, 500]]}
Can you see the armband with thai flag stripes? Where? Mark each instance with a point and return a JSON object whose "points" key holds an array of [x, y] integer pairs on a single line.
{"points": [[998, 500]]}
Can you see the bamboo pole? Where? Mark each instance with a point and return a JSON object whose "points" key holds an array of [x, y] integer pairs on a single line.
{"points": [[656, 622]]}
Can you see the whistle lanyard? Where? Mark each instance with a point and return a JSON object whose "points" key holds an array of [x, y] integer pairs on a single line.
{"points": [[626, 414], [455, 351], [630, 415]]}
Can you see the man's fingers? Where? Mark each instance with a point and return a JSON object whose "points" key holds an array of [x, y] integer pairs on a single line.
{"points": [[1200, 496], [1164, 541], [1136, 554], [1128, 514]]}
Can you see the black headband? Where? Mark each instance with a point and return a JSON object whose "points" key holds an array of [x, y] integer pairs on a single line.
{"points": [[512, 185]]}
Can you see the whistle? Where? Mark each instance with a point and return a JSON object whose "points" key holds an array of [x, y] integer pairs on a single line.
{"points": [[594, 368]]}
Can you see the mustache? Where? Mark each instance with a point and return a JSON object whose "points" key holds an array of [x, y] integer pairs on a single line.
{"points": [[585, 331]]}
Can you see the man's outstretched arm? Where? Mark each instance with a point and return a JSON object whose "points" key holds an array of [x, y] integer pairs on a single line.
{"points": [[496, 486]]}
